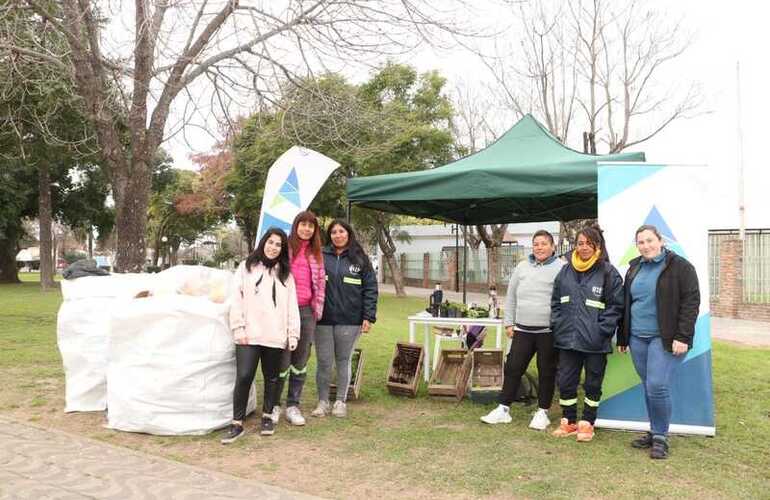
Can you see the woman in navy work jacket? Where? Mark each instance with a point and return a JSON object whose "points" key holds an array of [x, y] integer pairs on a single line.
{"points": [[663, 298], [350, 308], [586, 307]]}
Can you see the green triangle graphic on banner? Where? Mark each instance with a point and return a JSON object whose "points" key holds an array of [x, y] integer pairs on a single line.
{"points": [[278, 200], [630, 254]]}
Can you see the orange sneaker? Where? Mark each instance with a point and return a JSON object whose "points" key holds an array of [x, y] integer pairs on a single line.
{"points": [[565, 429], [585, 431]]}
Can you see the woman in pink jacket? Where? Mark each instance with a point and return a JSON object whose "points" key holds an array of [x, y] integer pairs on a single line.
{"points": [[264, 319], [307, 269]]}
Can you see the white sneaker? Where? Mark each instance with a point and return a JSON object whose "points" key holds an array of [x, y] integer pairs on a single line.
{"points": [[275, 415], [540, 420], [500, 415], [294, 416], [321, 410], [340, 409]]}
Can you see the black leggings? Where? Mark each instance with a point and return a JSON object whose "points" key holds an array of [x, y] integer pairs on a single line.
{"points": [[524, 346], [247, 357]]}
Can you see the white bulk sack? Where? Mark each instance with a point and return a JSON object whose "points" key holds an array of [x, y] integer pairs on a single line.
{"points": [[171, 366], [82, 332]]}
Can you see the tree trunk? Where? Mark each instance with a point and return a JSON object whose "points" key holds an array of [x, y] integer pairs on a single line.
{"points": [[493, 240], [155, 252], [174, 257], [388, 249], [492, 254], [90, 242], [9, 247], [395, 273], [45, 216], [132, 198]]}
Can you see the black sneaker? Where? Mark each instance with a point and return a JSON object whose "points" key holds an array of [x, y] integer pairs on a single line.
{"points": [[643, 442], [268, 426], [659, 450], [233, 432]]}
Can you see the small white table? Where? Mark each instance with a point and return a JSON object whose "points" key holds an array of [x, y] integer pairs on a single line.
{"points": [[428, 321]]}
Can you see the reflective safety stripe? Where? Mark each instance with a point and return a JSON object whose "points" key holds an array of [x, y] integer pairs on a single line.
{"points": [[595, 303], [351, 281], [565, 299], [568, 402], [284, 374], [591, 402], [297, 371]]}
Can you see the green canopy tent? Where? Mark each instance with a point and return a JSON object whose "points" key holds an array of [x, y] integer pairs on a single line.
{"points": [[527, 175]]}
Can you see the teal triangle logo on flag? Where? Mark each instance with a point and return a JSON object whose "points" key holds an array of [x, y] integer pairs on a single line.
{"points": [[289, 192], [292, 180], [654, 218]]}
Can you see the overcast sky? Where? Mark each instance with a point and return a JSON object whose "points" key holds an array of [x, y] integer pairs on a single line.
{"points": [[725, 34]]}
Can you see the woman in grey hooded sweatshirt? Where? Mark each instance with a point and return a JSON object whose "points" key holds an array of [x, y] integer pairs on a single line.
{"points": [[527, 322]]}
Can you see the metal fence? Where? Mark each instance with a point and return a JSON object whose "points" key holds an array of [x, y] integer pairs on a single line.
{"points": [[756, 264], [507, 258], [756, 268]]}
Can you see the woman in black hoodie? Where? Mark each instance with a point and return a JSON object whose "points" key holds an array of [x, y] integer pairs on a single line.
{"points": [[350, 308]]}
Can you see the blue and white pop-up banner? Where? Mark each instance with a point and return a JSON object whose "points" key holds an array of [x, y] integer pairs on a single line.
{"points": [[292, 183], [674, 199]]}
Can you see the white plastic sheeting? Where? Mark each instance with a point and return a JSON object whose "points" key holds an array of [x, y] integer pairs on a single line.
{"points": [[163, 364], [83, 331], [171, 367]]}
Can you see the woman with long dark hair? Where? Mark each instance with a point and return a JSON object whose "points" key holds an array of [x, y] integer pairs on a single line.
{"points": [[350, 309], [307, 269], [662, 301], [264, 319], [586, 306]]}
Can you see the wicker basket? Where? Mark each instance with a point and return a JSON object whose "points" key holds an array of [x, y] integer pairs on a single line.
{"points": [[487, 375], [443, 381], [405, 369], [356, 377]]}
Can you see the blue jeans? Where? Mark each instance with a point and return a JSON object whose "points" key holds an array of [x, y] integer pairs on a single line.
{"points": [[656, 368]]}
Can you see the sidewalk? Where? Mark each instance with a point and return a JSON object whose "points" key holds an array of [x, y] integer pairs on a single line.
{"points": [[752, 333], [38, 463]]}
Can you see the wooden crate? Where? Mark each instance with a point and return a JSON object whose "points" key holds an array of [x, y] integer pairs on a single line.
{"points": [[443, 380], [464, 376], [487, 375], [356, 377], [405, 369]]}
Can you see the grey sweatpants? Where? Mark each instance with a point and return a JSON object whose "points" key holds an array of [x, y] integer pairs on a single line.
{"points": [[334, 345]]}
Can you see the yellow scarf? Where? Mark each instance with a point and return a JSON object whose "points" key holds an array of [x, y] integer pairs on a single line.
{"points": [[582, 266]]}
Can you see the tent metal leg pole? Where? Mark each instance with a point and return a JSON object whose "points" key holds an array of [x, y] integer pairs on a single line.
{"points": [[348, 213], [457, 257], [465, 261]]}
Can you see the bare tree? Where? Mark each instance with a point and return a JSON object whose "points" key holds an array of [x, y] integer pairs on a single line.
{"points": [[472, 124], [592, 70], [475, 130], [128, 86]]}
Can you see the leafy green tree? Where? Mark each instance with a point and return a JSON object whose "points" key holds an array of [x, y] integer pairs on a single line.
{"points": [[44, 137], [398, 121], [177, 215]]}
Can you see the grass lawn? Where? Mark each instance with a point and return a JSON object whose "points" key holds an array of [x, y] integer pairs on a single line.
{"points": [[418, 448]]}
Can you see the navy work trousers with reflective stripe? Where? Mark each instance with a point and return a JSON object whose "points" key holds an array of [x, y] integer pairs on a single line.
{"points": [[571, 364]]}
